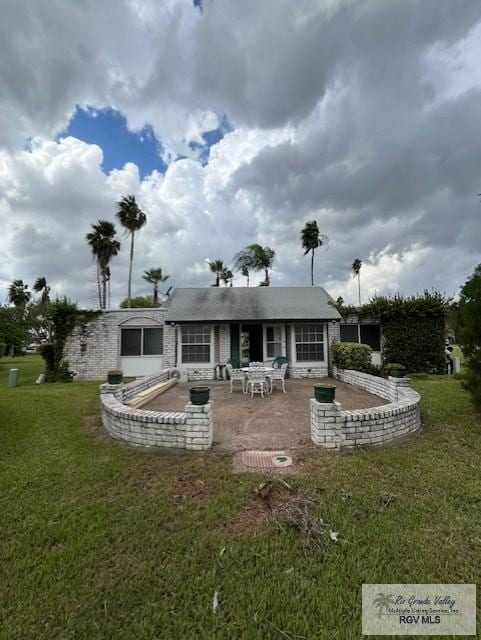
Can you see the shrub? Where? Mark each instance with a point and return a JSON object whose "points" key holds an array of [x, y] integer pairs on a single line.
{"points": [[468, 332], [3, 349], [351, 355]]}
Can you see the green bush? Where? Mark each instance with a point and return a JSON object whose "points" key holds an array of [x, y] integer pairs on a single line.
{"points": [[468, 331], [413, 329], [3, 349], [351, 355]]}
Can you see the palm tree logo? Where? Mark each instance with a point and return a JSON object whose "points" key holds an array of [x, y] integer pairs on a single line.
{"points": [[383, 601]]}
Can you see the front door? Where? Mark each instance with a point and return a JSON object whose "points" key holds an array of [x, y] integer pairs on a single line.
{"points": [[252, 343]]}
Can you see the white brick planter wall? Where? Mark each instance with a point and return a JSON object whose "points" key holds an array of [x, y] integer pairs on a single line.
{"points": [[334, 428], [189, 429]]}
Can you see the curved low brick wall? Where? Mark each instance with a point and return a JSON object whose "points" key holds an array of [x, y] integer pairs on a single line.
{"points": [[189, 429], [334, 428]]}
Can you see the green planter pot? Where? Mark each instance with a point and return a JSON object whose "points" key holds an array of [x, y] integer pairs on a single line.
{"points": [[325, 392], [199, 395], [397, 373], [115, 378]]}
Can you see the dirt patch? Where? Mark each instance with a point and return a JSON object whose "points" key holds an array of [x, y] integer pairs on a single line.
{"points": [[186, 486], [250, 520]]}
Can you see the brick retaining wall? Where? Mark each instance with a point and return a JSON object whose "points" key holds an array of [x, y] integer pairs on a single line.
{"points": [[334, 428], [189, 429]]}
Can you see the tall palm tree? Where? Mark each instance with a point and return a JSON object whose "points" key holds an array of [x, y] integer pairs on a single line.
{"points": [[227, 276], [245, 272], [154, 276], [356, 269], [104, 247], [311, 239], [258, 258], [217, 267], [18, 293], [40, 286], [132, 218]]}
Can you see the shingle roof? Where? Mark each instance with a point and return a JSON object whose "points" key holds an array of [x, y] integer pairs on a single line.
{"points": [[230, 304]]}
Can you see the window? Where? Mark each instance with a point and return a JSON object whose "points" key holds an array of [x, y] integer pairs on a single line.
{"points": [[309, 342], [273, 342], [196, 344], [349, 333], [145, 341], [370, 334]]}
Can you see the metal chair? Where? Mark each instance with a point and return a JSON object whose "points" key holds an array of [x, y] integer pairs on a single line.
{"points": [[236, 375], [279, 375], [257, 382]]}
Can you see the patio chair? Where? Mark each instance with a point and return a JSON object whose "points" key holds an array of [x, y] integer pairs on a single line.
{"points": [[257, 383], [279, 375], [236, 375]]}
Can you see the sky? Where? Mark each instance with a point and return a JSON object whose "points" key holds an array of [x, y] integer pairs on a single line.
{"points": [[236, 122]]}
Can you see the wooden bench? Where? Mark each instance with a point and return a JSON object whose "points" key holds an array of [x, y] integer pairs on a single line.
{"points": [[149, 394]]}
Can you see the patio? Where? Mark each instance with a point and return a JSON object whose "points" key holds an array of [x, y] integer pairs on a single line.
{"points": [[278, 421]]}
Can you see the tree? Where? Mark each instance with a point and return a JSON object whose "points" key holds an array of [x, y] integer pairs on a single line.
{"points": [[18, 293], [132, 218], [356, 269], [258, 258], [154, 276], [41, 286], [245, 272], [217, 267], [311, 239], [104, 247], [227, 276], [468, 332], [139, 302]]}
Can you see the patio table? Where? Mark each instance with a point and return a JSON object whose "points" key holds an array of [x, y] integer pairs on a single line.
{"points": [[266, 370]]}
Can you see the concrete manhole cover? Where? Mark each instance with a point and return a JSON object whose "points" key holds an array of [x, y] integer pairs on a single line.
{"points": [[265, 459]]}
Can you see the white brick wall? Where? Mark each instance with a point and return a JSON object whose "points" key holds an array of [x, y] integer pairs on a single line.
{"points": [[297, 371], [190, 429], [334, 428], [94, 349]]}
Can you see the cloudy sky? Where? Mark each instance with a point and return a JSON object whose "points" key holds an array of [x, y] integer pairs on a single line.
{"points": [[235, 122]]}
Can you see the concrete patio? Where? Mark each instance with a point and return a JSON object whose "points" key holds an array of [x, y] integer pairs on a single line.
{"points": [[278, 421]]}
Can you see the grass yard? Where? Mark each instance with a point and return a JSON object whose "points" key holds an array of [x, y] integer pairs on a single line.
{"points": [[100, 541]]}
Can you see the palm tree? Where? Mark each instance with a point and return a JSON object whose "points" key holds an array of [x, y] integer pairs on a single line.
{"points": [[245, 272], [104, 247], [41, 286], [311, 239], [226, 277], [258, 258], [154, 276], [356, 269], [132, 218], [217, 267], [18, 293]]}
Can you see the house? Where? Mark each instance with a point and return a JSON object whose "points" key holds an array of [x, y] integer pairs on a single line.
{"points": [[198, 329]]}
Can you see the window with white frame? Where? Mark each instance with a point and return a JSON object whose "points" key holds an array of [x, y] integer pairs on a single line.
{"points": [[309, 342], [273, 341], [141, 341], [196, 341]]}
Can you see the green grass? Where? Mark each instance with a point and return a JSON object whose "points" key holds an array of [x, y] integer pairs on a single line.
{"points": [[100, 541]]}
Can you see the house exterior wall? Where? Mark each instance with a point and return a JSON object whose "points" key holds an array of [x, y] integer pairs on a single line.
{"points": [[93, 349]]}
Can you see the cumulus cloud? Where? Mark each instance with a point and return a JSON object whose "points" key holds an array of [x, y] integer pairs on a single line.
{"points": [[363, 115]]}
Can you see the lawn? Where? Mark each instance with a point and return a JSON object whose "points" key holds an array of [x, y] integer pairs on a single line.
{"points": [[101, 541]]}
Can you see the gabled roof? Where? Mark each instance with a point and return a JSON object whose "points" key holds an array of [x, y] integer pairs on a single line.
{"points": [[230, 304]]}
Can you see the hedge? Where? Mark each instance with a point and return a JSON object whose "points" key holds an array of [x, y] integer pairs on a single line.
{"points": [[351, 355], [413, 329]]}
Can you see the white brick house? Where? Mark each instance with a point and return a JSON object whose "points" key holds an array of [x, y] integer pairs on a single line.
{"points": [[198, 329]]}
